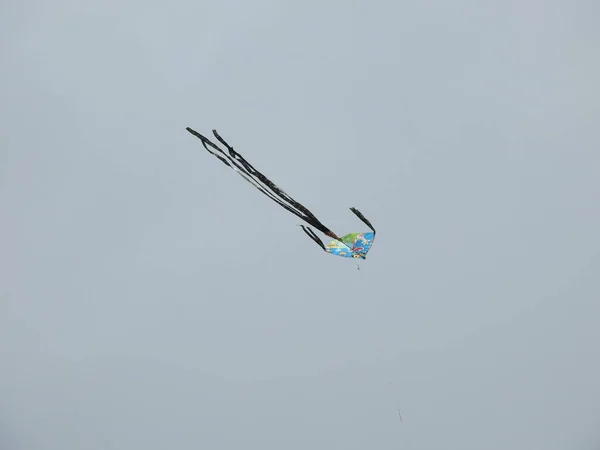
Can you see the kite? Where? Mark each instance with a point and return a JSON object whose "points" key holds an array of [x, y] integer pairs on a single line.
{"points": [[352, 245]]}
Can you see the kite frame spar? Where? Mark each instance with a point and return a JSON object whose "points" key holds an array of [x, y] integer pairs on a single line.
{"points": [[238, 163]]}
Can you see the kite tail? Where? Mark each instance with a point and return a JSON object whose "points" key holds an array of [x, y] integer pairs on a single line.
{"points": [[238, 163], [363, 218], [311, 234], [276, 189]]}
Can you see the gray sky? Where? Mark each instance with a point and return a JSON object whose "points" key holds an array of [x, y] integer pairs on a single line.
{"points": [[150, 298]]}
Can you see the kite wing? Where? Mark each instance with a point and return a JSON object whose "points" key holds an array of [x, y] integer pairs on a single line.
{"points": [[355, 245]]}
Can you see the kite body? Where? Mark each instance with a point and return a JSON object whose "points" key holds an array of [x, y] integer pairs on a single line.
{"points": [[353, 245]]}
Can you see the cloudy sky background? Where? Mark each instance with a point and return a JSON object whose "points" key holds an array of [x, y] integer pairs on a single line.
{"points": [[149, 298]]}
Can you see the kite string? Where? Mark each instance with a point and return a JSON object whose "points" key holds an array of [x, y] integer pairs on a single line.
{"points": [[395, 400]]}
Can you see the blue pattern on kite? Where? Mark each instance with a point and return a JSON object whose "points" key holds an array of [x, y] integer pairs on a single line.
{"points": [[356, 246]]}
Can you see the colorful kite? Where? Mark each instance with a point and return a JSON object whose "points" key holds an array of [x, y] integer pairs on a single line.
{"points": [[353, 245]]}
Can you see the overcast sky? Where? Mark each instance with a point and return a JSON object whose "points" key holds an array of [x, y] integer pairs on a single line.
{"points": [[151, 299]]}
